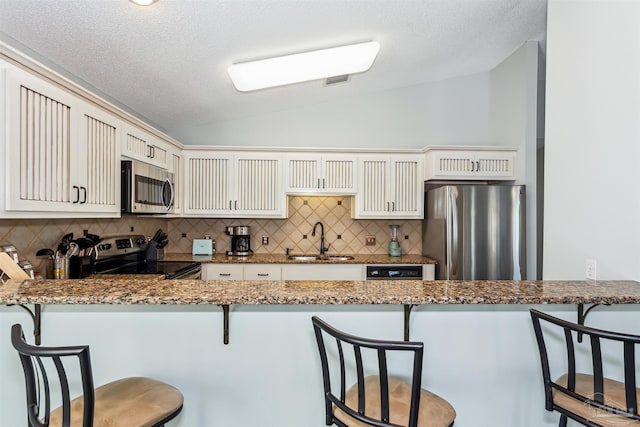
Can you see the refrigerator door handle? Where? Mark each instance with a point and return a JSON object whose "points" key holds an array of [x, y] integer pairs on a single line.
{"points": [[453, 247]]}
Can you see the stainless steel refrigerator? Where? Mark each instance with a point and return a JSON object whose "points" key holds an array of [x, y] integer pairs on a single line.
{"points": [[476, 232]]}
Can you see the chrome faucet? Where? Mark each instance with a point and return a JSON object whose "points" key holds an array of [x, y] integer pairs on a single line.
{"points": [[323, 248]]}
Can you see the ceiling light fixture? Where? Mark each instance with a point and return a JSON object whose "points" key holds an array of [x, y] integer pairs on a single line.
{"points": [[302, 67], [143, 2]]}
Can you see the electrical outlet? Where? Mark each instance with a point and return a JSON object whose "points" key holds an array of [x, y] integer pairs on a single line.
{"points": [[370, 240], [590, 269], [265, 240]]}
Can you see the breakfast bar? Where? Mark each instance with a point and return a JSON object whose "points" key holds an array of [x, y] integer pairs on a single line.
{"points": [[138, 289], [477, 337]]}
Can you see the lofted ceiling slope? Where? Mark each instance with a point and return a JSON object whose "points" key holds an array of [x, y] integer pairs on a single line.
{"points": [[168, 62]]}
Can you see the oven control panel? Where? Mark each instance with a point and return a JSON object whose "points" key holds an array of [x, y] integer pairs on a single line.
{"points": [[120, 245]]}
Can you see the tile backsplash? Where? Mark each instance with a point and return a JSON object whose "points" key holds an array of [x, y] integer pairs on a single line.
{"points": [[344, 234], [29, 235]]}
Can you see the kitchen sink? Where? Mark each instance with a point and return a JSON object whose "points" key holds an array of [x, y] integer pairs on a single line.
{"points": [[337, 258], [303, 258], [319, 258]]}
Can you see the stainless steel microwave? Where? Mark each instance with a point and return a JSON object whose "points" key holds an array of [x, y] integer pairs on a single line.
{"points": [[146, 189]]}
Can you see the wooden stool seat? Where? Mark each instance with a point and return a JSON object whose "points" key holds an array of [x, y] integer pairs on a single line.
{"points": [[128, 402], [614, 396], [375, 400], [588, 397], [434, 411]]}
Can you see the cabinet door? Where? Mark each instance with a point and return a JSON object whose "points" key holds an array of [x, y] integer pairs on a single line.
{"points": [[322, 272], [207, 185], [99, 143], [262, 272], [478, 164], [449, 164], [303, 174], [407, 187], [338, 174], [373, 198], [258, 190], [222, 272], [141, 145], [39, 155], [316, 174], [496, 164]]}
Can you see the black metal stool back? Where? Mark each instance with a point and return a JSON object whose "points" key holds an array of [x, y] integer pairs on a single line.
{"points": [[39, 406], [132, 401], [589, 398], [381, 347]]}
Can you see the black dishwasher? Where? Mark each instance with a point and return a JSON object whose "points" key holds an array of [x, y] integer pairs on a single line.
{"points": [[387, 272]]}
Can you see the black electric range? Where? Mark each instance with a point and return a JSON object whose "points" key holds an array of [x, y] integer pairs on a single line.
{"points": [[128, 255]]}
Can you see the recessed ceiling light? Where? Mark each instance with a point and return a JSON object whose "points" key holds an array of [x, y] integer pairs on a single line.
{"points": [[302, 67], [143, 2]]}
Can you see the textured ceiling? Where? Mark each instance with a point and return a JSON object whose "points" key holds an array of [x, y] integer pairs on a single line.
{"points": [[168, 62]]}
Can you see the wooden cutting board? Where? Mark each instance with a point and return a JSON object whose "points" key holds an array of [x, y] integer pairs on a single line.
{"points": [[12, 269]]}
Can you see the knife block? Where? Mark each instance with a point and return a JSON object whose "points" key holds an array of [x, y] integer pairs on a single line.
{"points": [[80, 267], [153, 252]]}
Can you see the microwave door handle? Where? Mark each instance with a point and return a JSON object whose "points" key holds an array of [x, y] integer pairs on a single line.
{"points": [[166, 205]]}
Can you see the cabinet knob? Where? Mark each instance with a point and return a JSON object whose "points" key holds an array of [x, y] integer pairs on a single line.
{"points": [[77, 200]]}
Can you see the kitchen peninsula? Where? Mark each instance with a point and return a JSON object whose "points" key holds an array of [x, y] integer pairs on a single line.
{"points": [[477, 337], [142, 290]]}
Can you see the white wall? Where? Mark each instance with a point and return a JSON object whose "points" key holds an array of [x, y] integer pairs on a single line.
{"points": [[269, 374], [452, 111], [481, 358], [592, 139], [513, 119]]}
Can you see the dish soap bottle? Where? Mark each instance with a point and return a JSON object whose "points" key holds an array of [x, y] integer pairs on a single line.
{"points": [[394, 245]]}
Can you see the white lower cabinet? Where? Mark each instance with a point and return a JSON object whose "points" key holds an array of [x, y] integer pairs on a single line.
{"points": [[294, 271], [322, 272], [263, 272], [222, 272]]}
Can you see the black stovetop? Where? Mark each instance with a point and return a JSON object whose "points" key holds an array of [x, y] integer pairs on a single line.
{"points": [[171, 269]]}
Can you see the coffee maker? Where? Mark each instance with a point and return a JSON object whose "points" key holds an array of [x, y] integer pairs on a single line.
{"points": [[240, 240]]}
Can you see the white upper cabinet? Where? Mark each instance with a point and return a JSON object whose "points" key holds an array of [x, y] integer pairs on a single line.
{"points": [[389, 187], [140, 145], [321, 174], [470, 163], [242, 185], [62, 153]]}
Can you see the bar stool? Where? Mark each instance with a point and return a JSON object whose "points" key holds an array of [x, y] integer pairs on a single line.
{"points": [[377, 400], [128, 402], [588, 398]]}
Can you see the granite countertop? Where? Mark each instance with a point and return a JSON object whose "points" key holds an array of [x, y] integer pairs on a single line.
{"points": [[151, 291], [221, 258]]}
